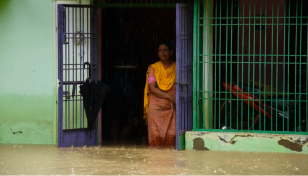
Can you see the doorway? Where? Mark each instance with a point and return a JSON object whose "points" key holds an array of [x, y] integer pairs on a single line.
{"points": [[150, 25], [122, 114]]}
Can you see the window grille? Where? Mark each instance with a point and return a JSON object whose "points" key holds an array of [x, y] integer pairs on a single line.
{"points": [[250, 66]]}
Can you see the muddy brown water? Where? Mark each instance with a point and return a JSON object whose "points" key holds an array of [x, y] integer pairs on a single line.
{"points": [[142, 160]]}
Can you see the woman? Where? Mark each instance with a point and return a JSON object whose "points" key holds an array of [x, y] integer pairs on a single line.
{"points": [[159, 98]]}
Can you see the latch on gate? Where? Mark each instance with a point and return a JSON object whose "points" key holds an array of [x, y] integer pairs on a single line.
{"points": [[182, 90], [67, 95]]}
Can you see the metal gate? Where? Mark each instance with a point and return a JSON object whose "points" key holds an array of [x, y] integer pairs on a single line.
{"points": [[77, 61], [184, 75], [251, 66]]}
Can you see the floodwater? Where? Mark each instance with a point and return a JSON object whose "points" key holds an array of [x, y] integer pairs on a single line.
{"points": [[142, 160]]}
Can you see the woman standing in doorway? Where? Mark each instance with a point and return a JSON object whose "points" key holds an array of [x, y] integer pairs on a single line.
{"points": [[159, 98]]}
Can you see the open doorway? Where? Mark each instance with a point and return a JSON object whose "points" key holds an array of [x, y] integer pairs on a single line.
{"points": [[129, 37]]}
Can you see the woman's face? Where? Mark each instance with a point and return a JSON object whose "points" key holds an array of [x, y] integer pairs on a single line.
{"points": [[164, 52]]}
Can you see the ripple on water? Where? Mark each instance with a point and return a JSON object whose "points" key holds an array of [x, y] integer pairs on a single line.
{"points": [[142, 160]]}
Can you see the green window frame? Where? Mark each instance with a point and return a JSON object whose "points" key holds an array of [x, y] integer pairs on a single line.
{"points": [[140, 3]]}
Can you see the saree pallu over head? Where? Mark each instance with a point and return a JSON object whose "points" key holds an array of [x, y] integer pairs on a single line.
{"points": [[165, 79]]}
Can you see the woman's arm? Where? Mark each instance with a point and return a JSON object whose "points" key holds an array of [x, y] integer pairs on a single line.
{"points": [[159, 93]]}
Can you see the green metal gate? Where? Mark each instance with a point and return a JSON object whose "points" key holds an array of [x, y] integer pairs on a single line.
{"points": [[250, 66]]}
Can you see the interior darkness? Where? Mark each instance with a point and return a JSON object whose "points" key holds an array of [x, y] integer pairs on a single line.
{"points": [[223, 48], [298, 34], [150, 26]]}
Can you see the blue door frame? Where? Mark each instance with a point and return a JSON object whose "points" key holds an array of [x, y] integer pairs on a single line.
{"points": [[184, 72], [77, 61]]}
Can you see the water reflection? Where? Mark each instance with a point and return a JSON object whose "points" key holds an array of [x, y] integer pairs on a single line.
{"points": [[142, 160]]}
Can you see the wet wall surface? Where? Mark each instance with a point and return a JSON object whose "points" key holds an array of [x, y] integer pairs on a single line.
{"points": [[246, 142], [142, 160]]}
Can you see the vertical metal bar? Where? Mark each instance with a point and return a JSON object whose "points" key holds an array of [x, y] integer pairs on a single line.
{"points": [[260, 62], [226, 63], [188, 66], [249, 26], [178, 78], [82, 69], [284, 58], [238, 61], [243, 51], [295, 70], [184, 66], [265, 62], [66, 61], [195, 43], [272, 60], [182, 59], [188, 70], [277, 59], [60, 73], [200, 68], [300, 64], [208, 64], [88, 52], [220, 93], [184, 73], [288, 100], [306, 89], [254, 59], [75, 67], [73, 59], [68, 72], [215, 66], [231, 58], [67, 113], [80, 61], [200, 95], [202, 54]]}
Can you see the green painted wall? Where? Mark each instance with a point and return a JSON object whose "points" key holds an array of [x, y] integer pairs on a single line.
{"points": [[27, 74], [248, 142]]}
